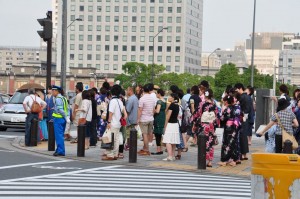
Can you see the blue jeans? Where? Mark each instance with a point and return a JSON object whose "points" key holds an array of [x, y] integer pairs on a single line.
{"points": [[29, 118], [59, 130]]}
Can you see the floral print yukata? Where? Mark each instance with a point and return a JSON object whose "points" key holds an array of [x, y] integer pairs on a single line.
{"points": [[207, 128]]}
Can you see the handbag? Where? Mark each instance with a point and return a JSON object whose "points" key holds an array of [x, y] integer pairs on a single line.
{"points": [[107, 136], [286, 136], [82, 121], [110, 145], [122, 119]]}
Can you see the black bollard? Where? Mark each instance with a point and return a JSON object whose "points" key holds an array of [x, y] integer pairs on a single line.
{"points": [[287, 147], [201, 151], [34, 132], [133, 146], [81, 140], [51, 136]]}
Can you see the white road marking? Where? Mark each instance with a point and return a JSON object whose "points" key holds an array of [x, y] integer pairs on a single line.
{"points": [[31, 164], [57, 174], [56, 168], [7, 151]]}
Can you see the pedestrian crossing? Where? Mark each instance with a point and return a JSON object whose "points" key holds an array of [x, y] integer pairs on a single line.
{"points": [[126, 182]]}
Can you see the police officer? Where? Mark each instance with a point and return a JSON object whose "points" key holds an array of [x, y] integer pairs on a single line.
{"points": [[60, 116]]}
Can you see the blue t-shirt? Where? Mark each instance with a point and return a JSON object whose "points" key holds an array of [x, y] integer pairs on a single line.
{"points": [[132, 106]]}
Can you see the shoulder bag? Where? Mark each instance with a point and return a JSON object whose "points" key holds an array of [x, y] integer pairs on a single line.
{"points": [[286, 135], [122, 120]]}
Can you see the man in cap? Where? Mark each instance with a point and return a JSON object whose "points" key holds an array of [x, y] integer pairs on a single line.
{"points": [[60, 114]]}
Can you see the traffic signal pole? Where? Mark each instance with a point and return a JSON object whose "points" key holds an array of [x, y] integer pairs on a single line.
{"points": [[49, 56]]}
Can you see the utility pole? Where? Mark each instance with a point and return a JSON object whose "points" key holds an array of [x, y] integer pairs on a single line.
{"points": [[252, 55], [64, 45]]}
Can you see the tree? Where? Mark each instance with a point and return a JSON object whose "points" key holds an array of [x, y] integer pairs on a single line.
{"points": [[228, 75], [138, 73]]}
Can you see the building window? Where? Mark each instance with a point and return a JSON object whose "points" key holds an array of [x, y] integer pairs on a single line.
{"points": [[160, 19], [116, 38], [168, 68], [168, 59], [290, 60], [159, 48], [107, 8], [98, 47], [159, 58], [170, 9], [98, 66], [106, 47], [177, 48], [90, 37], [178, 9], [133, 38], [116, 47], [142, 28], [98, 37], [90, 18], [107, 18], [142, 48], [106, 67], [125, 19], [71, 56], [81, 8], [106, 57], [99, 8], [124, 38], [133, 57], [150, 48], [107, 37], [90, 28], [133, 48], [177, 68], [124, 58], [160, 38], [142, 39], [115, 57], [161, 9], [177, 58], [72, 46], [124, 48], [80, 56], [169, 19], [81, 28], [107, 28], [142, 57], [89, 47], [116, 19], [80, 46], [98, 57], [133, 28], [115, 67], [168, 48], [177, 38], [178, 19], [117, 9], [72, 37], [134, 19], [98, 18], [89, 56]]}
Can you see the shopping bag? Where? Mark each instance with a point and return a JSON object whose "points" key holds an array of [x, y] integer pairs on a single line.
{"points": [[107, 136]]}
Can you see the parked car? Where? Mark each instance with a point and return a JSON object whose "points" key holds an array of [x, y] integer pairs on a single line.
{"points": [[12, 114], [1, 101], [5, 98]]}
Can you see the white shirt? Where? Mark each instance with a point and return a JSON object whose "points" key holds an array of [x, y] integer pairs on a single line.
{"points": [[115, 107], [154, 97], [28, 101], [86, 105]]}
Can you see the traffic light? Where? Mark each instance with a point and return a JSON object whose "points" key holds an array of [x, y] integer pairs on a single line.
{"points": [[46, 33]]}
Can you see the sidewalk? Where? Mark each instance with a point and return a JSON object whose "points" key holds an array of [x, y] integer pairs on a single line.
{"points": [[188, 160]]}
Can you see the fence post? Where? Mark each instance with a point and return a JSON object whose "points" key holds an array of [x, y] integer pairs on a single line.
{"points": [[81, 140], [287, 147], [201, 151], [34, 132], [51, 136], [133, 146]]}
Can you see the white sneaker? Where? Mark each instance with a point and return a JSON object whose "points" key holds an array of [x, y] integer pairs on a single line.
{"points": [[150, 144], [168, 159]]}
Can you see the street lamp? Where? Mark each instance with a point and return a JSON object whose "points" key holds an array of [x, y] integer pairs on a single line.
{"points": [[208, 59], [153, 51], [252, 55], [96, 78], [78, 19]]}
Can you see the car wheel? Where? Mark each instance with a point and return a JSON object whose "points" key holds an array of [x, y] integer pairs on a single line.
{"points": [[3, 128]]}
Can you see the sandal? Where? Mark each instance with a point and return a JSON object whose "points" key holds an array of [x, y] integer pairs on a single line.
{"points": [[208, 165], [120, 156], [185, 149], [233, 164], [74, 141], [178, 157], [223, 164]]}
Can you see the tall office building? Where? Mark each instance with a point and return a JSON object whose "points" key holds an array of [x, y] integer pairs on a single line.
{"points": [[113, 32]]}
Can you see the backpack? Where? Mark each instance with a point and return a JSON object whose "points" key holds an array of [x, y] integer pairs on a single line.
{"points": [[186, 112], [35, 107]]}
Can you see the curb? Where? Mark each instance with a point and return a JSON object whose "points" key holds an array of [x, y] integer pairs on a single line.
{"points": [[16, 143]]}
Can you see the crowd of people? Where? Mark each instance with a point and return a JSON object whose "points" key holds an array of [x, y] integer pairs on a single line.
{"points": [[174, 121]]}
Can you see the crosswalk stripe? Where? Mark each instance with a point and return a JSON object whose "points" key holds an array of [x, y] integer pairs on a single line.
{"points": [[115, 181]]}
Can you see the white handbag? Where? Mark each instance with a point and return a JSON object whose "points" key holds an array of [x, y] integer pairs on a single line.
{"points": [[106, 138]]}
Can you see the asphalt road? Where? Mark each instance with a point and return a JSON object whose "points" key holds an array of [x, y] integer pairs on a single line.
{"points": [[29, 175]]}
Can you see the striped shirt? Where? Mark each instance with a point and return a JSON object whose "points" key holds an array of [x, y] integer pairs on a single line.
{"points": [[147, 103]]}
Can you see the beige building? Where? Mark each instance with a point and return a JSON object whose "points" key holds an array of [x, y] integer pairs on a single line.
{"points": [[12, 55], [264, 60], [210, 66]]}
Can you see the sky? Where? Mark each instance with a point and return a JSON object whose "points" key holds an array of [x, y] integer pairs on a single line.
{"points": [[225, 22]]}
